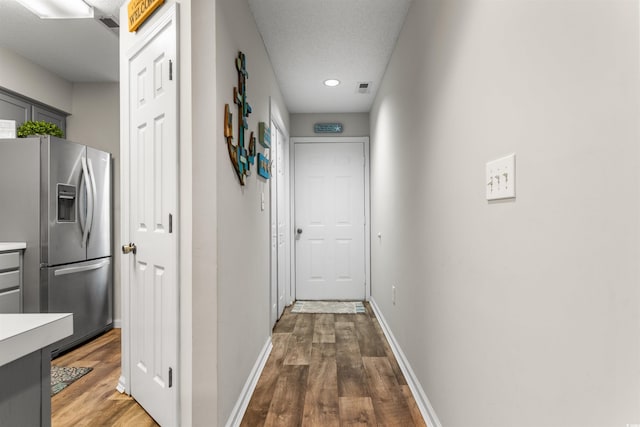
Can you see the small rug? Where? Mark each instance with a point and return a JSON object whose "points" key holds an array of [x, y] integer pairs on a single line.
{"points": [[61, 377], [331, 307]]}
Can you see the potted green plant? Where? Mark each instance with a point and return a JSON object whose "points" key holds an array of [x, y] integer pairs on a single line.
{"points": [[41, 127]]}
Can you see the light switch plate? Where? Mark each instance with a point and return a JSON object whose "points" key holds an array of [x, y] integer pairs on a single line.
{"points": [[501, 178]]}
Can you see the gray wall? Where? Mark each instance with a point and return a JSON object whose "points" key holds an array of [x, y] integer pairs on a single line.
{"points": [[26, 78], [355, 124], [95, 121], [522, 313], [243, 229], [198, 181]]}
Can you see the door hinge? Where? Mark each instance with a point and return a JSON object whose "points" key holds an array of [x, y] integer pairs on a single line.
{"points": [[170, 377], [170, 70], [170, 223]]}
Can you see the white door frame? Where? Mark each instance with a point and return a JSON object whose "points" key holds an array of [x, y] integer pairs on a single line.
{"points": [[124, 385], [364, 140], [276, 118]]}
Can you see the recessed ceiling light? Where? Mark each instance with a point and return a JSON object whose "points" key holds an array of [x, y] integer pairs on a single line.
{"points": [[331, 82], [58, 9]]}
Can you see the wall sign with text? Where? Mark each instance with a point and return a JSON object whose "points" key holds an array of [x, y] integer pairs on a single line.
{"points": [[139, 11]]}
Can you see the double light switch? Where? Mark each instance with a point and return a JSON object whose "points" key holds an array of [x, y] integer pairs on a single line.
{"points": [[501, 178]]}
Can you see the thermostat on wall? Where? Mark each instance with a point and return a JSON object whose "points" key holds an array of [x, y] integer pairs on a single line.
{"points": [[327, 128]]}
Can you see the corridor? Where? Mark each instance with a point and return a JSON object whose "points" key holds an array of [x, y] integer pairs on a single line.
{"points": [[507, 309], [331, 370]]}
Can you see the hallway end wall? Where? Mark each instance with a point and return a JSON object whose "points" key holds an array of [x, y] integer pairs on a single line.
{"points": [[355, 124], [523, 312], [243, 228]]}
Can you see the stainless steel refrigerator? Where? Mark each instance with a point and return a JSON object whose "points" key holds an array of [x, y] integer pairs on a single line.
{"points": [[55, 195]]}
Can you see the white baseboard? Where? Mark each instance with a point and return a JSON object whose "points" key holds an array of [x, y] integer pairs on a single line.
{"points": [[117, 323], [247, 391], [416, 389]]}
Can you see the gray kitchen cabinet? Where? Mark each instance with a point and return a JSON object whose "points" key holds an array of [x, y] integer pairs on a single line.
{"points": [[40, 113], [25, 366], [25, 398], [22, 109], [13, 108], [11, 281]]}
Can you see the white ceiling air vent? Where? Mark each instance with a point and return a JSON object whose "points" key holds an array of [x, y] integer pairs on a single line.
{"points": [[364, 87], [111, 23]]}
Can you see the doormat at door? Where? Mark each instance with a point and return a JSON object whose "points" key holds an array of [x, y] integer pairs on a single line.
{"points": [[61, 377], [330, 307]]}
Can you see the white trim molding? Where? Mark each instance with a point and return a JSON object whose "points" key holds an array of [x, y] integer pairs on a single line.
{"points": [[276, 122], [241, 405], [419, 395]]}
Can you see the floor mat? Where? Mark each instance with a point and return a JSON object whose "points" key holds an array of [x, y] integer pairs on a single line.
{"points": [[331, 307], [61, 377]]}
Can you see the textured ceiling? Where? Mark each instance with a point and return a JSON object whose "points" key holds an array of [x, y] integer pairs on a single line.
{"points": [[310, 41], [78, 50]]}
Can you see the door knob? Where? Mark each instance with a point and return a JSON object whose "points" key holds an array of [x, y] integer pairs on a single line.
{"points": [[131, 247], [299, 230]]}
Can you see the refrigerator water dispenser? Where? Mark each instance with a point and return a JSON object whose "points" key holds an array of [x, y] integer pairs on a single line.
{"points": [[66, 203]]}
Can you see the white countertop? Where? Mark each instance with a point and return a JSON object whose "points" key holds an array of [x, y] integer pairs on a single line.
{"points": [[12, 246], [21, 334]]}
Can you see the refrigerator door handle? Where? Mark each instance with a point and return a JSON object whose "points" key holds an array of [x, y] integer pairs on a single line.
{"points": [[73, 270], [89, 220], [82, 201], [94, 194]]}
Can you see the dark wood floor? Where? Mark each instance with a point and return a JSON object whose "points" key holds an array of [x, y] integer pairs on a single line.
{"points": [[331, 370], [93, 399]]}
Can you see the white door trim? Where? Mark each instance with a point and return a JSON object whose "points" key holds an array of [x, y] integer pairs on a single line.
{"points": [[276, 119], [367, 203], [124, 385]]}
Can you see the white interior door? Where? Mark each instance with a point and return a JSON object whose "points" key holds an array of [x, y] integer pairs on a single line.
{"points": [[152, 181], [279, 224], [330, 221], [273, 204], [283, 237]]}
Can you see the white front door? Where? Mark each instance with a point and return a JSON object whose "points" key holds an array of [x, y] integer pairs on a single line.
{"points": [[152, 189], [330, 221]]}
